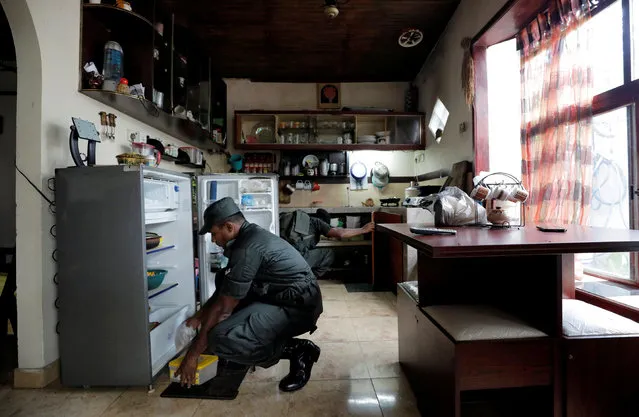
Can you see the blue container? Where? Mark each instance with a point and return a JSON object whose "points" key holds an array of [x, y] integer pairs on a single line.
{"points": [[236, 162]]}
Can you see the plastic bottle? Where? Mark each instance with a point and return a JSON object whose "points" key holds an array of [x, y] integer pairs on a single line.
{"points": [[113, 64]]}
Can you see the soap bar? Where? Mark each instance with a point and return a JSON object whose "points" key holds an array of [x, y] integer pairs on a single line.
{"points": [[206, 368]]}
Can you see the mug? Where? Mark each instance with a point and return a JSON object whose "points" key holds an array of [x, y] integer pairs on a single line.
{"points": [[307, 185], [310, 172], [299, 185], [518, 195], [480, 193]]}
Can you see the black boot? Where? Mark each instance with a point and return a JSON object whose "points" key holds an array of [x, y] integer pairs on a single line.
{"points": [[302, 354]]}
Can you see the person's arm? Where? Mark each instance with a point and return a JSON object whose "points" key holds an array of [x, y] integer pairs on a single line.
{"points": [[210, 317], [341, 233], [238, 277]]}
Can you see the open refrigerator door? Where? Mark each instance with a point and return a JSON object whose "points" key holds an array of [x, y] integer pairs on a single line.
{"points": [[256, 196]]}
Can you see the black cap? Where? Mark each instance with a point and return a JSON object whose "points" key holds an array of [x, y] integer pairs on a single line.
{"points": [[218, 212]]}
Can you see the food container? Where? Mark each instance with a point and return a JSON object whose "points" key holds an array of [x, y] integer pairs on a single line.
{"points": [[194, 154], [153, 240], [130, 159], [142, 148], [155, 277], [205, 371]]}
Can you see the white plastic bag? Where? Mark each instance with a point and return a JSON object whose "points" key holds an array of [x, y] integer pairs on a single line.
{"points": [[183, 336], [453, 207]]}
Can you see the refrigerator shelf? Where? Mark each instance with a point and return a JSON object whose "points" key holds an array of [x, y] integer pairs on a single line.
{"points": [[160, 249], [256, 209], [256, 193], [160, 217], [161, 289]]}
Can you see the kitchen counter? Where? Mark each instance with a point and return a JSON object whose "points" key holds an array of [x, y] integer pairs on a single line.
{"points": [[346, 210]]}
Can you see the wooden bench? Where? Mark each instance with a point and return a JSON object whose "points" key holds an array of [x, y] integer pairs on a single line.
{"points": [[478, 348], [601, 359]]}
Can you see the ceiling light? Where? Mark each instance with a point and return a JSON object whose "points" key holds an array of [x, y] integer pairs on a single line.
{"points": [[410, 38]]}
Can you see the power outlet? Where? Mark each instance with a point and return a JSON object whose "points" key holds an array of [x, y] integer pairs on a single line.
{"points": [[133, 135]]}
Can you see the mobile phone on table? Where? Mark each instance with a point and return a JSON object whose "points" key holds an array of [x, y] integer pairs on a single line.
{"points": [[551, 228]]}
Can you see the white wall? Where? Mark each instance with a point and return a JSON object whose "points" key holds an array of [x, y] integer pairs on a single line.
{"points": [[47, 37], [441, 77], [8, 103]]}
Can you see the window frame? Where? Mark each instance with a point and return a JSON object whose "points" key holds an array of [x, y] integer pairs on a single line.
{"points": [[507, 24]]}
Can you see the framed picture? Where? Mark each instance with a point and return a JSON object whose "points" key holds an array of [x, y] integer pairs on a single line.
{"points": [[329, 96]]}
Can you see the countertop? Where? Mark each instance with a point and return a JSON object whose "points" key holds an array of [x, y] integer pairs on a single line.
{"points": [[347, 210]]}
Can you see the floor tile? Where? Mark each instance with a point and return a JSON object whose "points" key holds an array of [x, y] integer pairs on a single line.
{"points": [[382, 359], [368, 308], [32, 403], [324, 283], [374, 329], [335, 399], [333, 330], [395, 397], [255, 399], [91, 403], [273, 374], [340, 361], [392, 298], [138, 402], [334, 293], [335, 309], [368, 296]]}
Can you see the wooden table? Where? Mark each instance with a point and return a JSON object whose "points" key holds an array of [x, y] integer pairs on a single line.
{"points": [[524, 272]]}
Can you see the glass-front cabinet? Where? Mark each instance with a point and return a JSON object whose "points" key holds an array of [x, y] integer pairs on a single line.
{"points": [[323, 130]]}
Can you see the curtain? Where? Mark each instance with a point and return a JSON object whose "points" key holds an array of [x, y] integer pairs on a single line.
{"points": [[556, 135]]}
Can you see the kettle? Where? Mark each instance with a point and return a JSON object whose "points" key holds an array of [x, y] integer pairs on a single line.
{"points": [[323, 168], [412, 190]]}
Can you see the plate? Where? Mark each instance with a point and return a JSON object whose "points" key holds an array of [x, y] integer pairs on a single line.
{"points": [[383, 133], [263, 131], [358, 171], [311, 161]]}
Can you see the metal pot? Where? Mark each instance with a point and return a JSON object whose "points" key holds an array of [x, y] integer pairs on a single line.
{"points": [[412, 190], [332, 169]]}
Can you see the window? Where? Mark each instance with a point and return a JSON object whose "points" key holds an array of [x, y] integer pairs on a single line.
{"points": [[504, 108], [614, 44]]}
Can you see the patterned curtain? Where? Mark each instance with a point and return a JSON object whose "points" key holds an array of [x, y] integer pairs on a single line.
{"points": [[556, 135]]}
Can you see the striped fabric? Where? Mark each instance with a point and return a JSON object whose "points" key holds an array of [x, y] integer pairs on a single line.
{"points": [[556, 134]]}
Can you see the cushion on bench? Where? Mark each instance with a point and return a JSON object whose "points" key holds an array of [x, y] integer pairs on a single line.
{"points": [[477, 322], [583, 319]]}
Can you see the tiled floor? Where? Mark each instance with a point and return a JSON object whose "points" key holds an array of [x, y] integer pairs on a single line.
{"points": [[357, 375]]}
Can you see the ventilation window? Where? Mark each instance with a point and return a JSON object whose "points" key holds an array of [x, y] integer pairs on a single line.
{"points": [[438, 120]]}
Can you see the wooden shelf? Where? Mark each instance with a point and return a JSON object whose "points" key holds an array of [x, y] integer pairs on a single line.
{"points": [[328, 147], [331, 179], [113, 13], [145, 111]]}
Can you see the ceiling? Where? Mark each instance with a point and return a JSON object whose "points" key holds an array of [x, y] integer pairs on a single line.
{"points": [[292, 40]]}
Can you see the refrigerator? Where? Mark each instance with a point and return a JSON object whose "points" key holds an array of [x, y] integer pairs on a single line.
{"points": [[258, 198], [114, 330]]}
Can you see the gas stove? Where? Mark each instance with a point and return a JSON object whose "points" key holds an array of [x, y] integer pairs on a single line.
{"points": [[414, 201]]}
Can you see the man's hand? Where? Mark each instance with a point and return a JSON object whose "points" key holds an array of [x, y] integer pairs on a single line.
{"points": [[368, 228], [194, 322], [187, 369]]}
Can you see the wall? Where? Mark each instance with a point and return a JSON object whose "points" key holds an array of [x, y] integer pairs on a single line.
{"points": [[246, 95], [47, 38], [441, 77], [8, 103]]}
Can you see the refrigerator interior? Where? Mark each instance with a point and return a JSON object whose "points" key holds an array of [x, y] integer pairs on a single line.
{"points": [[257, 197], [167, 212]]}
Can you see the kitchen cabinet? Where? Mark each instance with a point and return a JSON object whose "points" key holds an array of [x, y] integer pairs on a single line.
{"points": [[321, 130], [388, 254], [164, 57]]}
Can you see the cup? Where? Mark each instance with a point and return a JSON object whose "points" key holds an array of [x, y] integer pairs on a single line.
{"points": [[299, 185], [308, 186], [340, 140], [479, 193], [518, 195], [310, 172]]}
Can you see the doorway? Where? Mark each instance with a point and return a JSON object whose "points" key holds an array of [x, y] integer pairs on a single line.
{"points": [[8, 106]]}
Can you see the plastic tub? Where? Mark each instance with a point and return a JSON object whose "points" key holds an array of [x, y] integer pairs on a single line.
{"points": [[206, 368]]}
